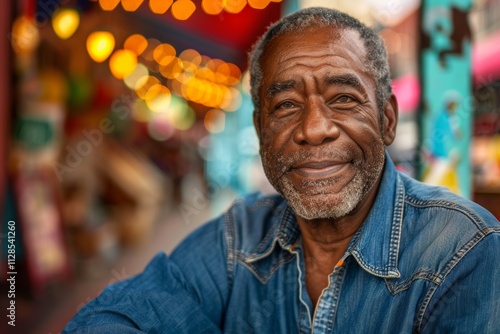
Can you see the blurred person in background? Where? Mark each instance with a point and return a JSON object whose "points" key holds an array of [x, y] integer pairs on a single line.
{"points": [[349, 245]]}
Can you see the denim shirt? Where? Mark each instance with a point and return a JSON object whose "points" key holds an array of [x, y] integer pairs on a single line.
{"points": [[424, 261]]}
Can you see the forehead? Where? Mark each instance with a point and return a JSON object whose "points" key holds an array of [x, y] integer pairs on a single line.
{"points": [[324, 45]]}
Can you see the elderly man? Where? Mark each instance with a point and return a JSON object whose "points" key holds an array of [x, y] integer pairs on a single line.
{"points": [[350, 245]]}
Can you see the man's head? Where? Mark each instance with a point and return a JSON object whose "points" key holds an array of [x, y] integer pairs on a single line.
{"points": [[376, 59], [324, 110]]}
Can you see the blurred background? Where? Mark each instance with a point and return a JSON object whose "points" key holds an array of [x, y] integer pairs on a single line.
{"points": [[125, 124]]}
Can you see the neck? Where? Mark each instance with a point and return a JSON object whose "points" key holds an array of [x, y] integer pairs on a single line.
{"points": [[326, 240]]}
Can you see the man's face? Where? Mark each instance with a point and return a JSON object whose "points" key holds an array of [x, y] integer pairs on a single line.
{"points": [[322, 144]]}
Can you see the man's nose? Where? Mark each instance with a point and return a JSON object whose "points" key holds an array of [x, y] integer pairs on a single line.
{"points": [[317, 125]]}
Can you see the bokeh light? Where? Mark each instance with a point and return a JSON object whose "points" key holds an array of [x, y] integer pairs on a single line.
{"points": [[139, 72], [163, 54], [100, 44], [131, 5], [65, 21], [192, 56], [158, 98], [25, 35], [234, 6], [180, 115], [259, 4], [136, 43], [141, 112], [108, 4], [212, 7], [144, 84], [122, 63], [172, 70], [183, 9], [159, 128], [160, 6], [215, 121]]}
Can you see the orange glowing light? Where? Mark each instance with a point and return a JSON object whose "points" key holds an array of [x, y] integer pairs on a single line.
{"points": [[259, 4], [222, 73], [163, 54], [234, 6], [25, 35], [100, 44], [122, 63], [172, 70], [212, 7], [234, 74], [144, 84], [65, 21], [183, 9], [108, 5], [136, 43], [214, 121], [160, 6], [131, 5], [192, 56]]}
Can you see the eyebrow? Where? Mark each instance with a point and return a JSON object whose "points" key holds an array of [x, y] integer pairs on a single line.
{"points": [[277, 87], [348, 80]]}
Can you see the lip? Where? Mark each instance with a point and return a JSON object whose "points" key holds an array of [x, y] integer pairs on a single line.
{"points": [[319, 169]]}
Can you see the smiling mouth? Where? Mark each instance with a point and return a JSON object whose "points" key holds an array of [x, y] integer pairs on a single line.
{"points": [[319, 170]]}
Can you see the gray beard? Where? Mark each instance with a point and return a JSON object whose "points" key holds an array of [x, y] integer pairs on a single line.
{"points": [[313, 200]]}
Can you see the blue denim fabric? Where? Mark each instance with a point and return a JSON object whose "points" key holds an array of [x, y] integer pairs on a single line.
{"points": [[424, 261]]}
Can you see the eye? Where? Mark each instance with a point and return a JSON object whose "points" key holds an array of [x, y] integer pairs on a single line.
{"points": [[285, 105], [344, 102], [344, 99], [285, 109]]}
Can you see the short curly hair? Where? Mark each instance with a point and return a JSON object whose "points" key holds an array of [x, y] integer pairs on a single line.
{"points": [[376, 54]]}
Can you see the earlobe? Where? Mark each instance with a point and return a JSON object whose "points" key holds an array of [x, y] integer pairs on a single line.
{"points": [[391, 111]]}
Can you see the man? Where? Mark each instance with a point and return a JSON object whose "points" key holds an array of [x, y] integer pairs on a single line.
{"points": [[350, 246]]}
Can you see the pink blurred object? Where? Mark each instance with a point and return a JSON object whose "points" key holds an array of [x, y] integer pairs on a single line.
{"points": [[407, 91]]}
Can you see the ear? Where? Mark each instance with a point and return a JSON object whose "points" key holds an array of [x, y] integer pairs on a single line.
{"points": [[256, 123], [390, 122]]}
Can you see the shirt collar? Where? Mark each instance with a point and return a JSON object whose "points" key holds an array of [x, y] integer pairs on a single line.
{"points": [[376, 244]]}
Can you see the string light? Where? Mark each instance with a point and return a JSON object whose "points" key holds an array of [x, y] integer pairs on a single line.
{"points": [[160, 6], [136, 43], [100, 44], [234, 6], [122, 63], [25, 36], [212, 7], [108, 5], [131, 5], [65, 22], [183, 9]]}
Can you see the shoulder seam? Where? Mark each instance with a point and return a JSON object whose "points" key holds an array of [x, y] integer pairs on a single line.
{"points": [[447, 204]]}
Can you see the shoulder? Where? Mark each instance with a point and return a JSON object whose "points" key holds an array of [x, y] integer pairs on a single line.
{"points": [[439, 202], [440, 228], [244, 225], [254, 219]]}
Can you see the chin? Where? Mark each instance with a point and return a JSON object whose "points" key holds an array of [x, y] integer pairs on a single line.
{"points": [[323, 204]]}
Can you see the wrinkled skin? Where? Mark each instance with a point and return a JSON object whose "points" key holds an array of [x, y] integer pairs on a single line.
{"points": [[322, 136]]}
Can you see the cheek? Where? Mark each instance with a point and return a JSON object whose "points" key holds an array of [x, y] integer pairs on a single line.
{"points": [[275, 134]]}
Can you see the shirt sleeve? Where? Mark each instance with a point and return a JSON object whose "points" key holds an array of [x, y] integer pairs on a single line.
{"points": [[183, 293], [468, 299]]}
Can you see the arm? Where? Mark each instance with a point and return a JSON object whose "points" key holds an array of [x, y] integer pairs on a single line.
{"points": [[468, 300], [181, 294]]}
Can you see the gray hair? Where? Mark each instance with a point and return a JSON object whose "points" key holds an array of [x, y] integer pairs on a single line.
{"points": [[376, 55]]}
